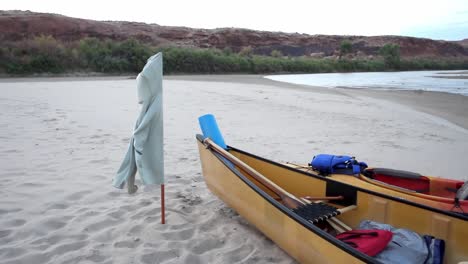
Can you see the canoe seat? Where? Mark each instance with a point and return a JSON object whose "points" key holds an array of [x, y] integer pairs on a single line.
{"points": [[403, 179], [393, 173]]}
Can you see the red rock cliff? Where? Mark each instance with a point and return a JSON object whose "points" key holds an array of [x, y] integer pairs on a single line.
{"points": [[18, 25]]}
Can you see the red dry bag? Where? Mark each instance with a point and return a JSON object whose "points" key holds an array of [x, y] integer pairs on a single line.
{"points": [[369, 242]]}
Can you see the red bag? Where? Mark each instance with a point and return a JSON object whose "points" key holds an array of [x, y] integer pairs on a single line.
{"points": [[369, 242]]}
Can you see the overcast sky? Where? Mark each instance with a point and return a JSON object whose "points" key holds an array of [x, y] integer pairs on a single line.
{"points": [[430, 18]]}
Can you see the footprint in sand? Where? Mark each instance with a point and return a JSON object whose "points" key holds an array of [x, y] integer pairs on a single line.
{"points": [[114, 194], [67, 248], [49, 120], [160, 257], [31, 258], [206, 245], [58, 206], [99, 161], [101, 225], [144, 202], [6, 211], [5, 233], [15, 223], [56, 239], [32, 184], [95, 257], [239, 254], [152, 212], [178, 227], [179, 235], [193, 259], [53, 224], [127, 244], [77, 195], [136, 230], [9, 151], [152, 219], [117, 214], [13, 252], [51, 240], [128, 208], [96, 136]]}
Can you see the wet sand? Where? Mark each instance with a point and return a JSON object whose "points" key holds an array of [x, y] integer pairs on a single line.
{"points": [[63, 140]]}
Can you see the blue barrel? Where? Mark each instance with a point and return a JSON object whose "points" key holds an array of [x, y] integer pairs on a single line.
{"points": [[210, 129]]}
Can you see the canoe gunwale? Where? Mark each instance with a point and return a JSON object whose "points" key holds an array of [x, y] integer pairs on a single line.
{"points": [[397, 199], [329, 238]]}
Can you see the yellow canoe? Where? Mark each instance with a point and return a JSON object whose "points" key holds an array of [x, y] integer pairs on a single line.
{"points": [[302, 239]]}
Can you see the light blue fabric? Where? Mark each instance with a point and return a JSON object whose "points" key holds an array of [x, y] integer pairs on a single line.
{"points": [[145, 152], [406, 247]]}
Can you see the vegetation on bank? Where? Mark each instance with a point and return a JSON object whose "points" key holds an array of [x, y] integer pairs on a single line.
{"points": [[47, 55]]}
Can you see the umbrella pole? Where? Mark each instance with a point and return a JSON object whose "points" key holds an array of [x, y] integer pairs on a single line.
{"points": [[163, 210]]}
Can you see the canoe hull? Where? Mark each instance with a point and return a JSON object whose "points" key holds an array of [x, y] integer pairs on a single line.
{"points": [[305, 242]]}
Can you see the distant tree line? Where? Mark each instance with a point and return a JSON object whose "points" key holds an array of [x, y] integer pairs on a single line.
{"points": [[45, 54]]}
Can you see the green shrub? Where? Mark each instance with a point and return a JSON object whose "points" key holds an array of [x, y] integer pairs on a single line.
{"points": [[345, 47], [45, 63], [45, 54], [391, 55], [276, 53], [246, 51]]}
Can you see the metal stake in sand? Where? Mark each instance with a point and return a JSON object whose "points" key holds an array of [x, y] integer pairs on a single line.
{"points": [[163, 209]]}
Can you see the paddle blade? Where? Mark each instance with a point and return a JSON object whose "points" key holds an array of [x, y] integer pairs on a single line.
{"points": [[211, 130]]}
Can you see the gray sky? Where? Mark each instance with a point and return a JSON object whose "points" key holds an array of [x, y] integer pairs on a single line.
{"points": [[437, 19]]}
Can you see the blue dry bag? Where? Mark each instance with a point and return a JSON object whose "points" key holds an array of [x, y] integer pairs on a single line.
{"points": [[327, 164]]}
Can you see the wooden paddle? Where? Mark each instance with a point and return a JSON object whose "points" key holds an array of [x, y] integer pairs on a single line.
{"points": [[308, 211], [288, 199], [329, 198]]}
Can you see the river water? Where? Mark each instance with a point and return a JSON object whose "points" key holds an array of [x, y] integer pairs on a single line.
{"points": [[410, 80]]}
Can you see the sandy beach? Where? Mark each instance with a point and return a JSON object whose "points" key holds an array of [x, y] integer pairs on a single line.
{"points": [[63, 140]]}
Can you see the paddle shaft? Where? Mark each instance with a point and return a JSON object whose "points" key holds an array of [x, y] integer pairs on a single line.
{"points": [[300, 166], [288, 199], [311, 198]]}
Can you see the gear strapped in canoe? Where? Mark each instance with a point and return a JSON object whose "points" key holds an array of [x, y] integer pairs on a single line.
{"points": [[327, 164]]}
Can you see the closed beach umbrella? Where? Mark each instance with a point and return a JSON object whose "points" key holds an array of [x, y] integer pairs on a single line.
{"points": [[145, 151]]}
